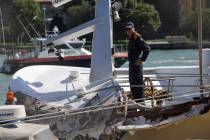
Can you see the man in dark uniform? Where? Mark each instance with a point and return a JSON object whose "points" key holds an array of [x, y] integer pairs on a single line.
{"points": [[138, 50]]}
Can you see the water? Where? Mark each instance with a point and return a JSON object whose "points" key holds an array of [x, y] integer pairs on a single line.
{"points": [[4, 79], [155, 59], [158, 58]]}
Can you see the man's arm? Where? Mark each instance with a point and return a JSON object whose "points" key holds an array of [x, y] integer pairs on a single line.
{"points": [[145, 49]]}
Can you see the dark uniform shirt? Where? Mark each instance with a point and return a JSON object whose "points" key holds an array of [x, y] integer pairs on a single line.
{"points": [[137, 48]]}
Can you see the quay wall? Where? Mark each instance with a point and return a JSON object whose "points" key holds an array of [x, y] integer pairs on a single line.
{"points": [[178, 45], [153, 45], [170, 45]]}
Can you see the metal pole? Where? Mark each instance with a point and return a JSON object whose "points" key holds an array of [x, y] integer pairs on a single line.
{"points": [[2, 26], [37, 33], [24, 27], [45, 26], [200, 42]]}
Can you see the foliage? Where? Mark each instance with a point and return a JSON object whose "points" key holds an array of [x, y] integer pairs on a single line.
{"points": [[80, 13], [58, 21], [144, 16], [190, 24], [131, 3], [26, 10]]}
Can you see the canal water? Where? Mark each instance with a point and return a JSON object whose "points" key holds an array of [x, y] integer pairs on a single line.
{"points": [[186, 57], [4, 79], [179, 57]]}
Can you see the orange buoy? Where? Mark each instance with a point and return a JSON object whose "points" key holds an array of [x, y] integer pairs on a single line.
{"points": [[10, 97]]}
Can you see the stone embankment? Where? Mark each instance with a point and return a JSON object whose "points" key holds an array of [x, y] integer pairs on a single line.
{"points": [[161, 45], [165, 45]]}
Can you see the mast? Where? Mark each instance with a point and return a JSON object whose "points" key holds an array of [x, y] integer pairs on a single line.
{"points": [[21, 23], [2, 26], [45, 25], [101, 61], [200, 43], [102, 28]]}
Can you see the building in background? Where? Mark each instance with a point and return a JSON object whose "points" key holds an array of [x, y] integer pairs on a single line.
{"points": [[169, 14], [188, 6], [172, 12]]}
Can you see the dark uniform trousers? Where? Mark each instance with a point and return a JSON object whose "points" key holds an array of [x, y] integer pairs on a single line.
{"points": [[136, 79]]}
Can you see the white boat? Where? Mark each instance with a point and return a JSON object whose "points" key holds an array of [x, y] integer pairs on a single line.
{"points": [[183, 99], [10, 129], [67, 53], [185, 93], [91, 100], [76, 102]]}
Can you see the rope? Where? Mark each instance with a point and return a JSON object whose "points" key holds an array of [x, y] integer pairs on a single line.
{"points": [[208, 86], [193, 74], [172, 75], [70, 113]]}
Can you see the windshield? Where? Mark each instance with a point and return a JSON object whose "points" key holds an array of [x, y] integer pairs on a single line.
{"points": [[76, 45], [70, 45], [63, 46]]}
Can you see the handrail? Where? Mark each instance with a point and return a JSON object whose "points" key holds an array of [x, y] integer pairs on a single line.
{"points": [[70, 113]]}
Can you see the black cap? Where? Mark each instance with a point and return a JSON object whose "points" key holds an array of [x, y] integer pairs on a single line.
{"points": [[129, 25]]}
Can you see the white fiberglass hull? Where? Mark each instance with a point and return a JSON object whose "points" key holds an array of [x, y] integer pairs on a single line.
{"points": [[67, 101]]}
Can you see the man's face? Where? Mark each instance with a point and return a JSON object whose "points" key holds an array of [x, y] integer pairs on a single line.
{"points": [[129, 31]]}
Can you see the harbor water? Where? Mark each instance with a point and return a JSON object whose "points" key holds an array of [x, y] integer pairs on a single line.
{"points": [[4, 79], [186, 57]]}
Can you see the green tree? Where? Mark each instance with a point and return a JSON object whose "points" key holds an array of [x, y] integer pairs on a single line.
{"points": [[190, 24], [80, 13], [145, 17], [27, 11]]}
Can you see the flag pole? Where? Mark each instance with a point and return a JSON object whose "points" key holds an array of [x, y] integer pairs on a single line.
{"points": [[200, 43]]}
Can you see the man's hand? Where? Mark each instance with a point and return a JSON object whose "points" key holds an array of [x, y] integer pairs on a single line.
{"points": [[138, 62]]}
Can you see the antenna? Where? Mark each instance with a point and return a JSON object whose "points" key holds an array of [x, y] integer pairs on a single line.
{"points": [[32, 27], [24, 27], [200, 28], [45, 25], [2, 26]]}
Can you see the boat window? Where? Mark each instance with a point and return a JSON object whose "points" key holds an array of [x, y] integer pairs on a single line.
{"points": [[76, 45], [63, 46]]}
